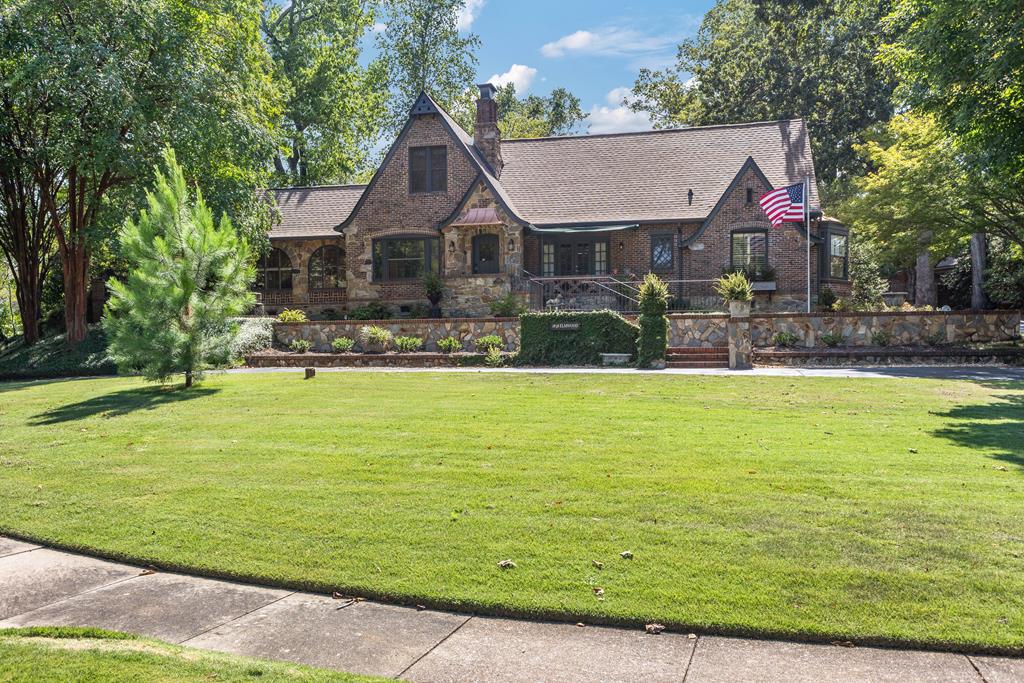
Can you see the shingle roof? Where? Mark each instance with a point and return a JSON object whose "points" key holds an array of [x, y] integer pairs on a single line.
{"points": [[313, 211], [647, 176]]}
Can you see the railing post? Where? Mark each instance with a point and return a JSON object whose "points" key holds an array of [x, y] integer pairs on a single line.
{"points": [[741, 348]]}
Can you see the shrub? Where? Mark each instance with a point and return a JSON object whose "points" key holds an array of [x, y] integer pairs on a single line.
{"points": [[300, 346], [434, 287], [547, 341], [329, 314], [374, 311], [491, 341], [936, 338], [827, 297], [881, 338], [652, 342], [52, 357], [832, 339], [252, 335], [449, 345], [419, 310], [290, 315], [494, 358], [373, 336], [734, 287], [785, 339], [408, 344], [343, 344], [508, 306]]}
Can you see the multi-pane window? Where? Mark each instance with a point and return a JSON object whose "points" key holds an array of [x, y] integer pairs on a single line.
{"points": [[274, 271], [428, 169], [547, 260], [750, 250], [661, 253], [405, 258], [600, 258], [326, 268], [485, 254], [837, 257]]}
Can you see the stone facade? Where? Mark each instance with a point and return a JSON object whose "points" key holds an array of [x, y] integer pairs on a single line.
{"points": [[314, 302], [466, 330], [903, 328]]}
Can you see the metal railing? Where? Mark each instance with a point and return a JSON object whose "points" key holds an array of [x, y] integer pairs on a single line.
{"points": [[608, 292]]}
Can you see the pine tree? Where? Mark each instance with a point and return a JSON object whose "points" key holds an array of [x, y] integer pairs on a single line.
{"points": [[188, 277]]}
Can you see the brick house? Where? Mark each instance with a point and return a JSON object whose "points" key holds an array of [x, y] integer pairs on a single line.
{"points": [[569, 221]]}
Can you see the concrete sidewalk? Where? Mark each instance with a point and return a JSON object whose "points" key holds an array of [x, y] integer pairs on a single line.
{"points": [[978, 373], [40, 586]]}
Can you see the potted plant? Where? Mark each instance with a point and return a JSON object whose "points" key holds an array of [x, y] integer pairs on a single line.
{"points": [[435, 292], [735, 290], [375, 339]]}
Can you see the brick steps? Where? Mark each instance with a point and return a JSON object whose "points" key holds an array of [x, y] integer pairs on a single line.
{"points": [[686, 357]]}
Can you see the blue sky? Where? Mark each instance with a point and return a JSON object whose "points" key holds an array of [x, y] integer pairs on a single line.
{"points": [[592, 47]]}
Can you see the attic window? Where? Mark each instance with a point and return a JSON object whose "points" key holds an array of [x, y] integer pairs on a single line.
{"points": [[689, 197], [428, 169], [750, 195]]}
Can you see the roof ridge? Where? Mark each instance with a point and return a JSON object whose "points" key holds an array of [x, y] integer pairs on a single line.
{"points": [[320, 187], [654, 131]]}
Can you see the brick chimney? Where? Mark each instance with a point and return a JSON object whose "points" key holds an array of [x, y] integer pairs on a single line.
{"points": [[486, 135]]}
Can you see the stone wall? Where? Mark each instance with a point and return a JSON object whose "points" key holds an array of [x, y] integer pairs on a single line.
{"points": [[321, 334], [904, 328], [698, 331]]}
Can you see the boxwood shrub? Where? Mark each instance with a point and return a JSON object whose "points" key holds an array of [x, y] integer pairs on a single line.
{"points": [[583, 337]]}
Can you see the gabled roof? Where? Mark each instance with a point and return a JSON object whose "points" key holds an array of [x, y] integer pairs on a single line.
{"points": [[646, 177], [313, 211]]}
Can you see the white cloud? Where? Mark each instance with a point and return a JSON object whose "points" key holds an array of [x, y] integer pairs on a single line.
{"points": [[616, 41], [468, 13], [379, 27], [519, 75], [604, 119], [618, 95]]}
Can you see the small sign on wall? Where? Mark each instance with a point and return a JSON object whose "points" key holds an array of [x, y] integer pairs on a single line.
{"points": [[565, 326]]}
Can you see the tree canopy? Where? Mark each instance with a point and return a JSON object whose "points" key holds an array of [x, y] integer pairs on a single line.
{"points": [[533, 116]]}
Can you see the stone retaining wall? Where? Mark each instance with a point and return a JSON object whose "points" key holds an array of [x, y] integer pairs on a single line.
{"points": [[698, 330], [895, 357], [321, 334], [904, 328]]}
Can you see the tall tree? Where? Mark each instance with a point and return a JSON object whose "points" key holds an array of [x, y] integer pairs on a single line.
{"points": [[111, 82], [964, 63], [333, 108], [422, 49], [771, 59], [533, 116], [188, 276]]}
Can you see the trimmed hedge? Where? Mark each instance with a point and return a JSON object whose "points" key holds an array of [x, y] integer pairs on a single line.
{"points": [[596, 332]]}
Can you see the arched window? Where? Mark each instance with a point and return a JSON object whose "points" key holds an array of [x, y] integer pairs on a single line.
{"points": [[326, 270], [274, 271], [485, 254]]}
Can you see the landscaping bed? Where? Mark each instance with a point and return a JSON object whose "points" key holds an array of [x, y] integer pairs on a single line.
{"points": [[408, 359], [871, 510], [906, 355]]}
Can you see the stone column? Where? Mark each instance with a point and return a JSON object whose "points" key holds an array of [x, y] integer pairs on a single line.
{"points": [[741, 348]]}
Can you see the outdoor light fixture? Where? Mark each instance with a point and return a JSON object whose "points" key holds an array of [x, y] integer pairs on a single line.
{"points": [[689, 197], [451, 247], [511, 243]]}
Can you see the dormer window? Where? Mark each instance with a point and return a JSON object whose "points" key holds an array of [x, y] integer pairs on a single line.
{"points": [[750, 195], [428, 169]]}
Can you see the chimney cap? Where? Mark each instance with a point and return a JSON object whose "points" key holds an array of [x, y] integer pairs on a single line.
{"points": [[487, 91]]}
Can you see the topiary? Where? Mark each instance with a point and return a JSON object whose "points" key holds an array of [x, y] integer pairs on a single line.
{"points": [[653, 340]]}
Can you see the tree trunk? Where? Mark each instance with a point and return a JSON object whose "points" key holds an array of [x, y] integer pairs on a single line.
{"points": [[978, 257], [925, 293], [75, 261], [28, 292], [188, 379]]}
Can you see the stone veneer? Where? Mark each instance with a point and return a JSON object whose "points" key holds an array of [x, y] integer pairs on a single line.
{"points": [[698, 330], [466, 330], [906, 328]]}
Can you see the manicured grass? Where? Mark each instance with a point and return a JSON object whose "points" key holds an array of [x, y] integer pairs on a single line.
{"points": [[76, 654], [873, 510]]}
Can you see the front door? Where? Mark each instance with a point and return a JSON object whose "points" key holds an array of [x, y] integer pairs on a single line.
{"points": [[578, 257]]}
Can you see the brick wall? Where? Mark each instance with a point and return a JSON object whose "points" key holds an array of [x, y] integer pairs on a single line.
{"points": [[390, 209]]}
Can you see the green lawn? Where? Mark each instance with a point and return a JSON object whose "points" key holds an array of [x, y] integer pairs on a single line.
{"points": [[76, 654], [889, 510]]}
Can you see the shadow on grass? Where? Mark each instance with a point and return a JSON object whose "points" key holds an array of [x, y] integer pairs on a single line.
{"points": [[997, 426], [120, 403]]}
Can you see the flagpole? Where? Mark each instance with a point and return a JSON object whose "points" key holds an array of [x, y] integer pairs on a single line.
{"points": [[807, 226]]}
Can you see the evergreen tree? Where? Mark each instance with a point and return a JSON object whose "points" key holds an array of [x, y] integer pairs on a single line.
{"points": [[188, 276]]}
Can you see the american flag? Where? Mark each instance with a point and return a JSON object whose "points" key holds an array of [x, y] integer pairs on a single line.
{"points": [[784, 205]]}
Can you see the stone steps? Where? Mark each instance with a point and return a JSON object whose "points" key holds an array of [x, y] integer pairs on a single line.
{"points": [[701, 357]]}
